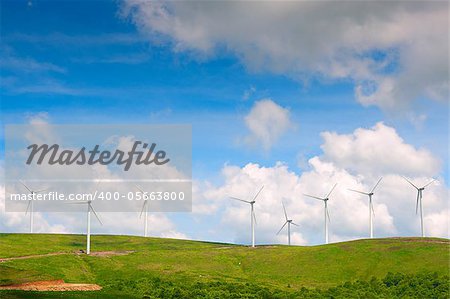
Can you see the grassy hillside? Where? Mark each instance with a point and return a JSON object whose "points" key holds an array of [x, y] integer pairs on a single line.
{"points": [[179, 261]]}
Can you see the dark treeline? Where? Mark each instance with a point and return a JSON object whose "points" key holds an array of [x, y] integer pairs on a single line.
{"points": [[398, 285], [420, 286]]}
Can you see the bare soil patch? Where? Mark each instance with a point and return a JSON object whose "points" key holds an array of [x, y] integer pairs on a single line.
{"points": [[52, 285]]}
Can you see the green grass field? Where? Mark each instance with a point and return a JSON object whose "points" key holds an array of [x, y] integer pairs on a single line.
{"points": [[181, 262]]}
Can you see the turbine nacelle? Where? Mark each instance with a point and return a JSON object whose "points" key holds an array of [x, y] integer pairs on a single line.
{"points": [[288, 222], [252, 212], [326, 213], [371, 210], [30, 202], [144, 209], [419, 202]]}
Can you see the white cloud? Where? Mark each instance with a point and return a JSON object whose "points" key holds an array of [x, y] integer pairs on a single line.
{"points": [[40, 118], [159, 225], [20, 222], [377, 150], [174, 235], [352, 160], [75, 221], [267, 122], [380, 46], [394, 201], [438, 224]]}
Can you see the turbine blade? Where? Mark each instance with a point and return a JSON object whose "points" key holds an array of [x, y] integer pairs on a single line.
{"points": [[282, 227], [329, 193], [92, 209], [254, 217], [410, 183], [313, 196], [284, 209], [417, 201], [235, 198], [139, 188], [254, 198], [358, 191], [429, 183], [28, 207], [25, 186], [294, 224], [328, 214], [143, 208], [376, 185], [373, 211], [41, 190]]}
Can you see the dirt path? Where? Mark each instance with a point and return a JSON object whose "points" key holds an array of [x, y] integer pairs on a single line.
{"points": [[52, 285], [31, 256], [96, 253]]}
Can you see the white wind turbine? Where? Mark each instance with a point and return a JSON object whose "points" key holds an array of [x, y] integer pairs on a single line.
{"points": [[30, 207], [419, 201], [144, 210], [326, 214], [371, 210], [288, 222], [252, 213], [89, 210]]}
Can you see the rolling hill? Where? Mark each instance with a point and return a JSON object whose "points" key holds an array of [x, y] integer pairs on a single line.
{"points": [[126, 266]]}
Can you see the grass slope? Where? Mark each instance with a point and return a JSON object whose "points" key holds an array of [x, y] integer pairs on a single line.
{"points": [[178, 261]]}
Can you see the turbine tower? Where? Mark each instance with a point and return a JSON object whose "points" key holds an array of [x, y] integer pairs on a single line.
{"points": [[252, 213], [144, 210], [89, 210], [326, 213], [30, 207], [419, 202], [288, 222], [371, 210]]}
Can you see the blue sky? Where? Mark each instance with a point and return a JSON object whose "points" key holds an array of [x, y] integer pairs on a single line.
{"points": [[84, 62]]}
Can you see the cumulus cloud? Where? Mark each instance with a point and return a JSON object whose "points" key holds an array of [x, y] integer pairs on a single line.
{"points": [[159, 224], [391, 58], [377, 150], [352, 160], [267, 122], [14, 220], [394, 201], [20, 222]]}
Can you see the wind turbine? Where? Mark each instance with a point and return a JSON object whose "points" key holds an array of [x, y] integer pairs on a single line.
{"points": [[326, 214], [288, 222], [371, 210], [89, 210], [252, 213], [30, 207], [144, 210], [419, 200]]}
